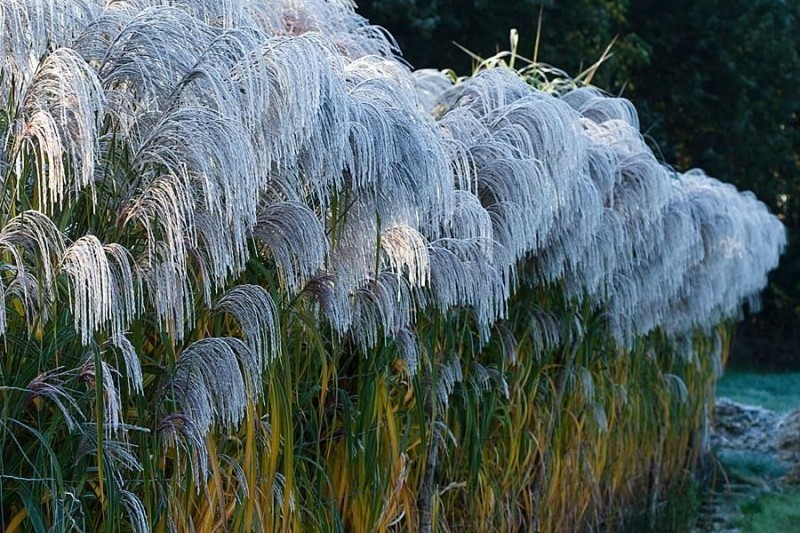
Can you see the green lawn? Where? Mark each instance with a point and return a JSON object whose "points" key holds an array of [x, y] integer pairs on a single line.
{"points": [[772, 512], [778, 392], [751, 466]]}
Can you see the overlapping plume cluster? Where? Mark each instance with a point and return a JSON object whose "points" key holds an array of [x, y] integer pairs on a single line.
{"points": [[203, 136]]}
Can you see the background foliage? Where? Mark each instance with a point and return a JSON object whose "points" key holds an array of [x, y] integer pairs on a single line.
{"points": [[715, 82]]}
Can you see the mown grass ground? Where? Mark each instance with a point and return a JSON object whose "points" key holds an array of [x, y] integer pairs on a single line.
{"points": [[772, 512]]}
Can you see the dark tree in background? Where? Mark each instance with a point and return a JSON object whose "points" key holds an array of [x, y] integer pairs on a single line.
{"points": [[721, 92], [426, 30], [574, 33], [715, 81]]}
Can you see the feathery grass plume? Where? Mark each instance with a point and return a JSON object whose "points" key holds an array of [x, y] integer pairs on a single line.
{"points": [[545, 330], [597, 107], [397, 151], [200, 181], [226, 78], [482, 379], [387, 304], [127, 289], [677, 386], [660, 278], [351, 33], [303, 127], [625, 175], [408, 344], [149, 51], [363, 269], [297, 136], [461, 277], [327, 291], [668, 265], [170, 292], [354, 257], [133, 368], [241, 478], [740, 240], [528, 154], [295, 239], [51, 384], [103, 287], [430, 85], [448, 375], [255, 311], [137, 514], [166, 211], [208, 154], [25, 288], [407, 253], [231, 77], [213, 381], [488, 91], [471, 220], [220, 253], [29, 29], [119, 455], [59, 118], [322, 158], [216, 13], [35, 245], [112, 422], [542, 127]]}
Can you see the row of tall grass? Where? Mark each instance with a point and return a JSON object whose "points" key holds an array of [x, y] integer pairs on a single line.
{"points": [[259, 275]]}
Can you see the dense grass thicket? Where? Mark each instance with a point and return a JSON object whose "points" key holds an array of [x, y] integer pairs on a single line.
{"points": [[259, 275]]}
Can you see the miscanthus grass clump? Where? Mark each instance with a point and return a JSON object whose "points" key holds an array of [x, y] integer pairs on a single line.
{"points": [[257, 274]]}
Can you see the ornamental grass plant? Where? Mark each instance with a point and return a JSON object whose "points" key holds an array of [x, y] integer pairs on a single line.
{"points": [[257, 274]]}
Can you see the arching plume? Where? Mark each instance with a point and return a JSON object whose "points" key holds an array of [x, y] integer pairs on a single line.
{"points": [[60, 113]]}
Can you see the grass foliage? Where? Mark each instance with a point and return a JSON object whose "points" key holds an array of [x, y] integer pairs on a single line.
{"points": [[751, 466], [258, 275], [771, 511]]}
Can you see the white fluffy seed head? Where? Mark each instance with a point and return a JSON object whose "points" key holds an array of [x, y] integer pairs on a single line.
{"points": [[104, 287], [61, 112]]}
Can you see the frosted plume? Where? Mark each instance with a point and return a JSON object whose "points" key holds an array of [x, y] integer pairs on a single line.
{"points": [[133, 367], [112, 401], [214, 379], [61, 110], [351, 33], [29, 28], [104, 294], [34, 245], [255, 311], [33, 233], [461, 276], [294, 238], [148, 54], [407, 252]]}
